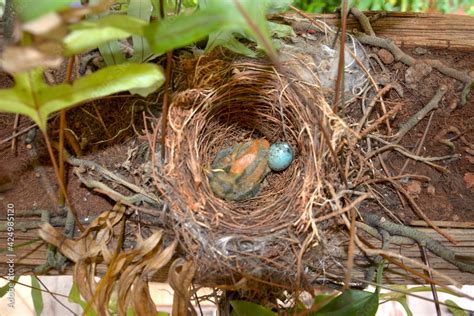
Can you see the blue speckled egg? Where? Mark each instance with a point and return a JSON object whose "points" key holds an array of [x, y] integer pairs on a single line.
{"points": [[280, 156]]}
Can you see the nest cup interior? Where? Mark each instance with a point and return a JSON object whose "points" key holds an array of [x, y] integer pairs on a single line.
{"points": [[245, 100], [241, 114]]}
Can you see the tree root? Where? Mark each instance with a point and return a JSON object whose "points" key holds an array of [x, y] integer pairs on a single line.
{"points": [[140, 196], [135, 199], [465, 92], [370, 38], [415, 119], [424, 240], [449, 142], [386, 43], [24, 226], [54, 258]]}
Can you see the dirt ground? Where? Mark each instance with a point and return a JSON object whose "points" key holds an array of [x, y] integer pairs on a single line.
{"points": [[102, 129], [449, 195], [27, 177]]}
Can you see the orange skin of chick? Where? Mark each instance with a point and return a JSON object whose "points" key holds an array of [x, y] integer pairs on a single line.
{"points": [[238, 171]]}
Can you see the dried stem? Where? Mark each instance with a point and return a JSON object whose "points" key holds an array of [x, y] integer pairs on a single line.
{"points": [[424, 257], [421, 238], [420, 145], [415, 119], [14, 129], [166, 102], [350, 250], [61, 183], [62, 127], [339, 84], [369, 38]]}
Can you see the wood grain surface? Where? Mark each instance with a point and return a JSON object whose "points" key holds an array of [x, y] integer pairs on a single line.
{"points": [[29, 256], [408, 29]]}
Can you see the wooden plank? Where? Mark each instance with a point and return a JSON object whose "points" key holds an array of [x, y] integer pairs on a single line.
{"points": [[29, 256], [32, 255], [465, 247], [408, 29], [448, 224]]}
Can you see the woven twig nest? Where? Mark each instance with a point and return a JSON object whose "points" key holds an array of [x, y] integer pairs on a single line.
{"points": [[222, 102]]}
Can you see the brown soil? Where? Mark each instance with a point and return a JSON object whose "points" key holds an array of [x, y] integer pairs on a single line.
{"points": [[446, 197], [27, 178]]}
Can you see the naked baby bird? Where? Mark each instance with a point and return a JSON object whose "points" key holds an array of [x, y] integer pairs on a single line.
{"points": [[238, 171]]}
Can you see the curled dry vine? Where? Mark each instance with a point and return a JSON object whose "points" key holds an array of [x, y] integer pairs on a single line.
{"points": [[368, 37]]}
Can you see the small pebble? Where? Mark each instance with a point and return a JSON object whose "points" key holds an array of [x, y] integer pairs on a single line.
{"points": [[415, 74], [453, 104], [280, 156], [420, 51], [385, 56], [398, 66], [431, 190], [414, 188], [469, 179]]}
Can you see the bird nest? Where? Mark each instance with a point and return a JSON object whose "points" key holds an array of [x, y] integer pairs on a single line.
{"points": [[223, 102], [296, 231]]}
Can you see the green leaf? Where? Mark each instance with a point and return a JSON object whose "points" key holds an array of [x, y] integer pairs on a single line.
{"points": [[417, 289], [183, 30], [322, 300], [402, 297], [222, 17], [140, 9], [90, 34], [298, 308], [394, 294], [124, 22], [276, 6], [247, 17], [112, 53], [2, 8], [75, 297], [281, 30], [31, 96], [244, 308], [226, 39], [4, 289], [36, 295], [403, 301], [455, 309], [28, 11], [351, 303], [156, 8]]}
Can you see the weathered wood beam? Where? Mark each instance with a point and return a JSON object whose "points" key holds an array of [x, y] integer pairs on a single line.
{"points": [[408, 29], [32, 255]]}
